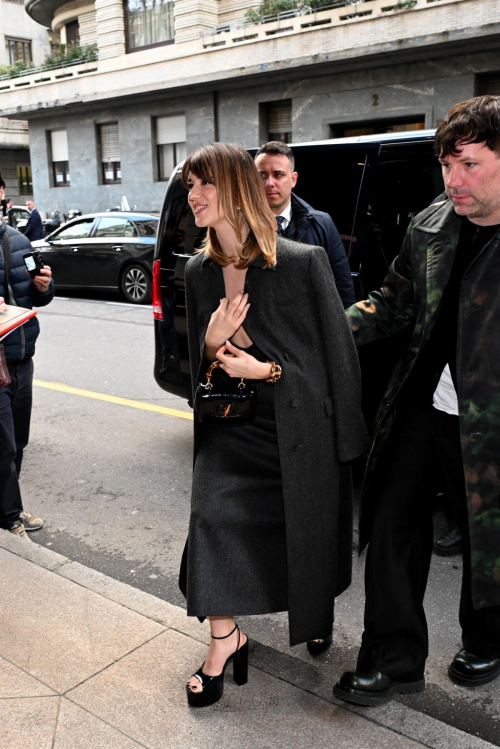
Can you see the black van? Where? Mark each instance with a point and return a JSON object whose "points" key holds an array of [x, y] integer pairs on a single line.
{"points": [[370, 185]]}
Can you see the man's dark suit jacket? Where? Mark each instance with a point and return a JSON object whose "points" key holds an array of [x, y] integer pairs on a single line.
{"points": [[314, 227], [34, 227]]}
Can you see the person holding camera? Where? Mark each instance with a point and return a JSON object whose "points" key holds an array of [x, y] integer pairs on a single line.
{"points": [[17, 288]]}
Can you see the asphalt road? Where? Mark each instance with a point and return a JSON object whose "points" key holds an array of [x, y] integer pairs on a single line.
{"points": [[112, 483]]}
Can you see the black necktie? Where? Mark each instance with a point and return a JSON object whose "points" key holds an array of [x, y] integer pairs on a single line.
{"points": [[279, 221]]}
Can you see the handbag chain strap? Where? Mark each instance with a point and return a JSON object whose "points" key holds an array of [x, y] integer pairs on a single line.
{"points": [[209, 385]]}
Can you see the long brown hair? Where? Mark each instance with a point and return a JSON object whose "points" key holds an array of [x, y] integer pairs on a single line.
{"points": [[241, 193]]}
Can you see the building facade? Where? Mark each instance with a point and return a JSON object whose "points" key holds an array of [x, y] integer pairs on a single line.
{"points": [[174, 75], [21, 39]]}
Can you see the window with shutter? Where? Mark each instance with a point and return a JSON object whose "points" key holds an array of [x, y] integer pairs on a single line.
{"points": [[60, 158], [170, 143], [110, 153], [280, 120]]}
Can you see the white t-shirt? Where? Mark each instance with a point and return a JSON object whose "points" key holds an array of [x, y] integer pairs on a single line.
{"points": [[445, 395]]}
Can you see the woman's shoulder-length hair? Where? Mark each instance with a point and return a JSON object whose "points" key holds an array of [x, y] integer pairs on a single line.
{"points": [[241, 193]]}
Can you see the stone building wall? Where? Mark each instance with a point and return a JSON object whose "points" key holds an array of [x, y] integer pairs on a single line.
{"points": [[425, 89], [110, 21], [87, 23]]}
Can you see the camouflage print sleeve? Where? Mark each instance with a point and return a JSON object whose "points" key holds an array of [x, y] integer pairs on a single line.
{"points": [[389, 309]]}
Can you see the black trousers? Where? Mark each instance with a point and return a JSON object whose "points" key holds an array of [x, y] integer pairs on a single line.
{"points": [[15, 418], [395, 640]]}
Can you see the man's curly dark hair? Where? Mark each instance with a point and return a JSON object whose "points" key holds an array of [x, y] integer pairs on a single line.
{"points": [[476, 120]]}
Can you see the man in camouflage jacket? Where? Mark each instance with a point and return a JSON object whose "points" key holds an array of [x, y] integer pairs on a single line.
{"points": [[441, 411]]}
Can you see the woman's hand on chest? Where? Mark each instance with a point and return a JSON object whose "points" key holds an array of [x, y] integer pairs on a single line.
{"points": [[237, 363], [224, 322]]}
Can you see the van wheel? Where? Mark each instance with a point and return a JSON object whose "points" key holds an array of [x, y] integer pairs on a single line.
{"points": [[136, 285]]}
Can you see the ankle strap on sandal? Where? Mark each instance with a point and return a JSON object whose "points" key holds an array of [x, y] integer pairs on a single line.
{"points": [[224, 637]]}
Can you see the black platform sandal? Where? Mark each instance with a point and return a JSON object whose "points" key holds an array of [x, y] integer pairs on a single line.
{"points": [[211, 688]]}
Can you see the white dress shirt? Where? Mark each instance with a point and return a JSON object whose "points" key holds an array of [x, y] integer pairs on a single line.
{"points": [[287, 216]]}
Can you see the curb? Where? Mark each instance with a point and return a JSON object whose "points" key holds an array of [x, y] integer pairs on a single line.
{"points": [[419, 727]]}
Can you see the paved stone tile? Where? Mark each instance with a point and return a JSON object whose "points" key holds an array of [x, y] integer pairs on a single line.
{"points": [[15, 683], [60, 632], [144, 695], [78, 729], [137, 600], [28, 723], [41, 556]]}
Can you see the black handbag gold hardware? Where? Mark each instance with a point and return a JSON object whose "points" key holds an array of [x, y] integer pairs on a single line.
{"points": [[224, 406]]}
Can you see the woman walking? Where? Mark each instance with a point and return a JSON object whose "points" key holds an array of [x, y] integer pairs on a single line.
{"points": [[271, 510]]}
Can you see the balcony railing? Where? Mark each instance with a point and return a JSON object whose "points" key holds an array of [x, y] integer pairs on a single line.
{"points": [[42, 69], [47, 73], [303, 10], [306, 18]]}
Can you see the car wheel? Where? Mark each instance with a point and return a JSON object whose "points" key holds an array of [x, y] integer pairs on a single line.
{"points": [[136, 285]]}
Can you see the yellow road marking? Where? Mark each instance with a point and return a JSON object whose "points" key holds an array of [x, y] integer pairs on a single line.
{"points": [[114, 399]]}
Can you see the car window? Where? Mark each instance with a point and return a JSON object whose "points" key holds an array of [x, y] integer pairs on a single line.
{"points": [[112, 227], [130, 230], [77, 230], [147, 228], [18, 215]]}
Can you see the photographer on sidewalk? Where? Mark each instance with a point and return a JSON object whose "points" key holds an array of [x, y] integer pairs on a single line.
{"points": [[17, 288]]}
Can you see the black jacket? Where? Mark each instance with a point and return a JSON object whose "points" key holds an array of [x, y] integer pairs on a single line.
{"points": [[20, 345], [317, 228], [34, 227]]}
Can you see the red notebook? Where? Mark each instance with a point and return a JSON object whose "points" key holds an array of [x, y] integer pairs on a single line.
{"points": [[12, 317]]}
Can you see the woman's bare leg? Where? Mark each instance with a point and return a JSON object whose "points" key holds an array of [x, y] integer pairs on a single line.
{"points": [[219, 650]]}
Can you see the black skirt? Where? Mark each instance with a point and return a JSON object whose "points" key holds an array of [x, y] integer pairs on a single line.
{"points": [[235, 558]]}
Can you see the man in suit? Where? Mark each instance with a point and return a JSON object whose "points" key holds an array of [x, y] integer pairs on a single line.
{"points": [[34, 227], [441, 411], [296, 219]]}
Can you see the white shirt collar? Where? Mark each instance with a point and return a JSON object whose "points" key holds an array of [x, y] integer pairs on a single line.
{"points": [[287, 215]]}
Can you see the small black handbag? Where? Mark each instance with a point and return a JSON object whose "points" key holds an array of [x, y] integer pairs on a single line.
{"points": [[223, 406]]}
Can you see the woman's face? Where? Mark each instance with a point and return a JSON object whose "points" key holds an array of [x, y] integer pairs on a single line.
{"points": [[204, 201]]}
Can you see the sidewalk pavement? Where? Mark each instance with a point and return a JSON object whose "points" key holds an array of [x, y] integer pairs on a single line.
{"points": [[87, 662]]}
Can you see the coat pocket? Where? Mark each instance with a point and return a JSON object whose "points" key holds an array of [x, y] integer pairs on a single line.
{"points": [[295, 300]]}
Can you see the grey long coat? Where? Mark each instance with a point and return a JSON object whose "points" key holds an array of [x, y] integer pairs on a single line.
{"points": [[296, 318]]}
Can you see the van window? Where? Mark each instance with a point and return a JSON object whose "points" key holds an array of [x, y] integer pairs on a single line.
{"points": [[402, 187], [329, 180]]}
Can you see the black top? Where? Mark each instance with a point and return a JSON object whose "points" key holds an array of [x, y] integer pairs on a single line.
{"points": [[441, 348]]}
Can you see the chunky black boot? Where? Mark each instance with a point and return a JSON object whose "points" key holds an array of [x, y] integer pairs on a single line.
{"points": [[373, 688], [469, 670], [211, 688]]}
